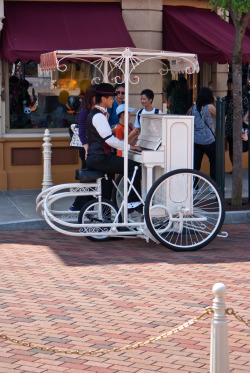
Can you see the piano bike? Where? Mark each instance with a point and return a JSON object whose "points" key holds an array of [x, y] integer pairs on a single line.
{"points": [[180, 208]]}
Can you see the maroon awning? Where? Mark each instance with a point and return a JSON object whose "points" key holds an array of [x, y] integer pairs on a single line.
{"points": [[33, 28], [200, 31]]}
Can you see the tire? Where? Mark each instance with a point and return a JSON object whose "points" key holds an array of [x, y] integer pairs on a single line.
{"points": [[190, 194], [118, 191], [89, 213]]}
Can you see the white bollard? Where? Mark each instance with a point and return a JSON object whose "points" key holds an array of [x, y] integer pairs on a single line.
{"points": [[47, 178], [219, 358]]}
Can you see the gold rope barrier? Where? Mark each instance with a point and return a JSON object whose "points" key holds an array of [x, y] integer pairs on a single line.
{"points": [[208, 311], [230, 311]]}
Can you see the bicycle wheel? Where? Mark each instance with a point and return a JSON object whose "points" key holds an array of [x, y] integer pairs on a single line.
{"points": [[94, 213], [184, 210], [118, 191]]}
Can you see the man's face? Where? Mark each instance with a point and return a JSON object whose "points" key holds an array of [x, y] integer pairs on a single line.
{"points": [[120, 94], [145, 101], [107, 101]]}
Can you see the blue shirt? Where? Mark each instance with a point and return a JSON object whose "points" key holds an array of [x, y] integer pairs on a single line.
{"points": [[113, 118], [203, 126]]}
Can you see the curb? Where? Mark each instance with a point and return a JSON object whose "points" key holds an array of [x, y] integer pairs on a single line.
{"points": [[237, 217], [25, 225], [231, 217]]}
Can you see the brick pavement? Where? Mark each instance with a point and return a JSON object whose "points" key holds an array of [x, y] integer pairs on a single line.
{"points": [[64, 292]]}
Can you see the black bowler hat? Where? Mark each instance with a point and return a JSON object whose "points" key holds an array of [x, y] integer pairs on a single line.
{"points": [[105, 89]]}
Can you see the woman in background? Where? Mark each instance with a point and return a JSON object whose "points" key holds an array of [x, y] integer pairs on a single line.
{"points": [[181, 99], [204, 112], [87, 105]]}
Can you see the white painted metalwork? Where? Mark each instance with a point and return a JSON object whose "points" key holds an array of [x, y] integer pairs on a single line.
{"points": [[47, 177], [125, 60], [219, 357]]}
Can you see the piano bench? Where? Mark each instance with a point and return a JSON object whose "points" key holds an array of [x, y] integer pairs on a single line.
{"points": [[87, 176]]}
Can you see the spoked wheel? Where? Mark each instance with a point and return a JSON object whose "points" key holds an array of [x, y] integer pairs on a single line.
{"points": [[94, 213], [184, 210], [118, 191]]}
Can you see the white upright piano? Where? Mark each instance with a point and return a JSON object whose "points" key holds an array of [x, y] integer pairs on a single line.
{"points": [[167, 144]]}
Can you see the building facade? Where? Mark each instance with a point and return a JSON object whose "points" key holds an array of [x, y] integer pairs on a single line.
{"points": [[32, 100]]}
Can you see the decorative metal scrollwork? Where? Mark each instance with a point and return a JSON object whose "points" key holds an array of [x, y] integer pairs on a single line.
{"points": [[189, 70], [84, 189], [164, 71], [93, 230], [105, 72], [61, 67]]}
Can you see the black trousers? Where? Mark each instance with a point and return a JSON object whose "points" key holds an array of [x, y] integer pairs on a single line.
{"points": [[81, 200], [111, 165], [82, 156], [210, 151]]}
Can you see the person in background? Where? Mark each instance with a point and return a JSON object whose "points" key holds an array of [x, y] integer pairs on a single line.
{"points": [[16, 102], [133, 133], [87, 105], [83, 85], [61, 111], [204, 113], [118, 100], [21, 103], [181, 99], [229, 115], [147, 97], [99, 133], [170, 90]]}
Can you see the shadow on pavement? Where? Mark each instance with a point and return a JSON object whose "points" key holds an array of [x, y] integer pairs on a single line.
{"points": [[76, 251]]}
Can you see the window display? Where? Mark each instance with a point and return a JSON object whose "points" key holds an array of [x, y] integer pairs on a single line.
{"points": [[46, 99]]}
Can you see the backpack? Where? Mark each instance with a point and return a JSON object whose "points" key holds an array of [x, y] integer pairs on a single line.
{"points": [[140, 111]]}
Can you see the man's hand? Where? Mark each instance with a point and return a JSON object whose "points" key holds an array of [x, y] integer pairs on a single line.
{"points": [[113, 129], [133, 136], [133, 147], [136, 131]]}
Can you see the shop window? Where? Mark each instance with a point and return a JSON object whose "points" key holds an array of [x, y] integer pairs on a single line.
{"points": [[39, 100]]}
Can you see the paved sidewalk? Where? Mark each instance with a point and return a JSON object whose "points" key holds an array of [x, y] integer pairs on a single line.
{"points": [[69, 293], [18, 208]]}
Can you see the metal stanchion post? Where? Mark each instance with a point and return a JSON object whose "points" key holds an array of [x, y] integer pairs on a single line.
{"points": [[219, 358], [47, 178]]}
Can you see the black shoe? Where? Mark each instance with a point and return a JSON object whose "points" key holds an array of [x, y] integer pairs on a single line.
{"points": [[135, 206], [140, 208]]}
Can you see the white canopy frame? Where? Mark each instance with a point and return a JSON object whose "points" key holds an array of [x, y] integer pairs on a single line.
{"points": [[126, 60]]}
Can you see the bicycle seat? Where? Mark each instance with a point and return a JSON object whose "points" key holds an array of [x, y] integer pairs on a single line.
{"points": [[87, 176]]}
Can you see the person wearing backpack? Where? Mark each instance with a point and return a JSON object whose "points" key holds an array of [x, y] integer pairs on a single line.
{"points": [[147, 97], [204, 113]]}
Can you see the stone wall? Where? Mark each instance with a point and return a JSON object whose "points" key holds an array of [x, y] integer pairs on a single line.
{"points": [[143, 19]]}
